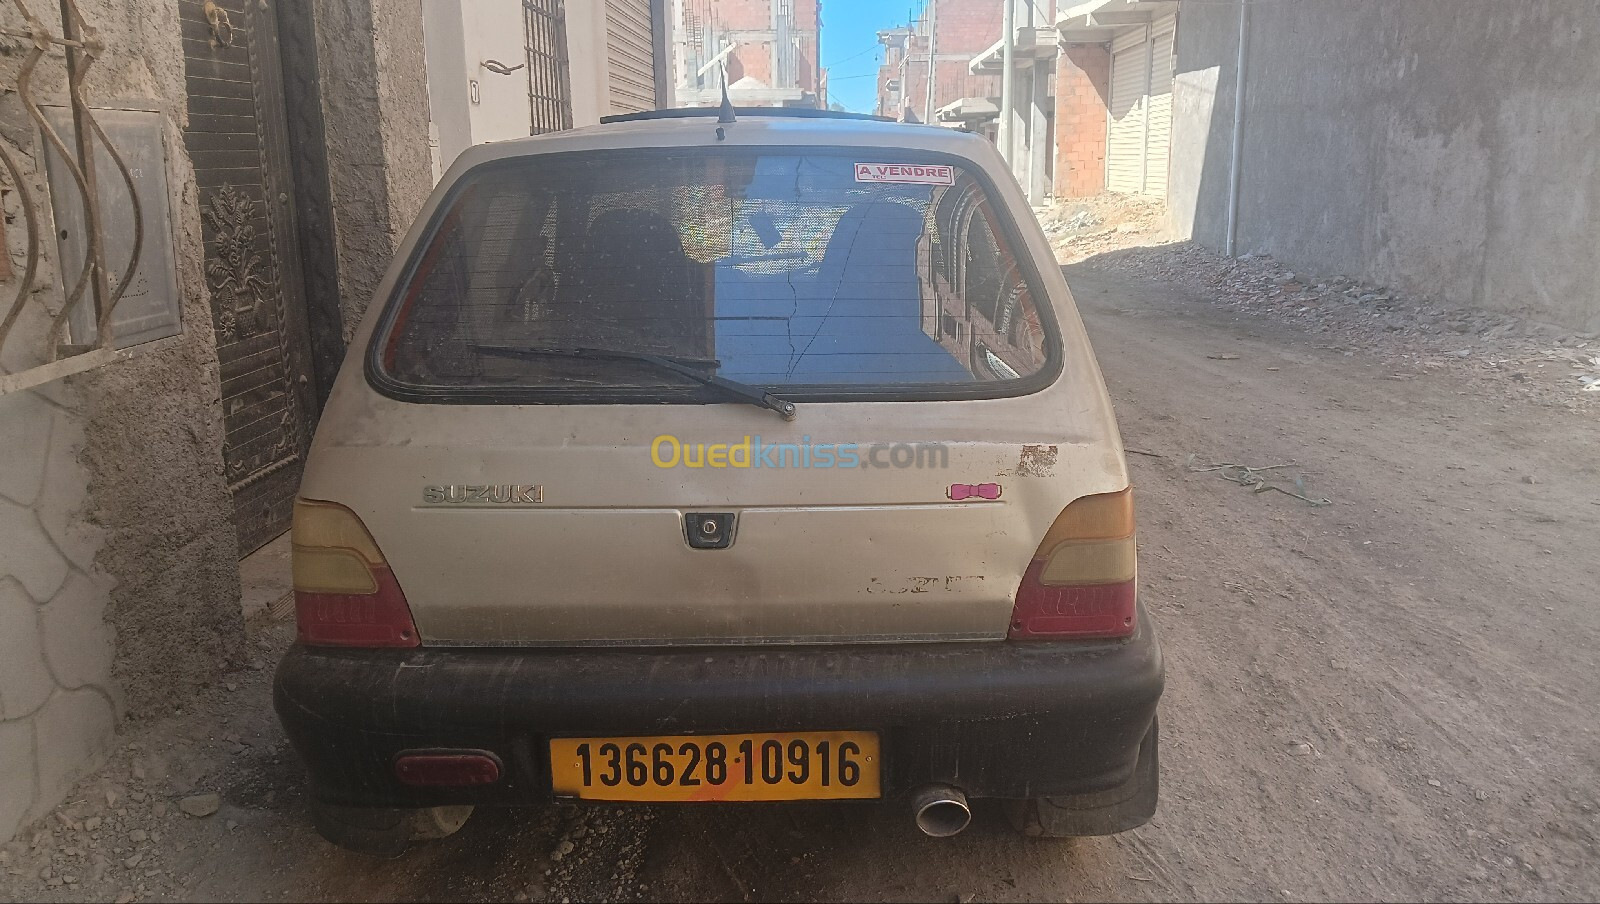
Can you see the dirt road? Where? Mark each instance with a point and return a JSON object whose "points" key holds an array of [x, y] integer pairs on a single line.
{"points": [[1392, 696]]}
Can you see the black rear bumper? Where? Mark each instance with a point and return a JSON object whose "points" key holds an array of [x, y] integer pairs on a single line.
{"points": [[1006, 720]]}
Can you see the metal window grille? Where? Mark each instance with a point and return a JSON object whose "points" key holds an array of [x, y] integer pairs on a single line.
{"points": [[549, 91], [96, 285]]}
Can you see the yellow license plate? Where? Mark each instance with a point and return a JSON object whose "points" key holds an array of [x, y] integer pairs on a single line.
{"points": [[804, 765]]}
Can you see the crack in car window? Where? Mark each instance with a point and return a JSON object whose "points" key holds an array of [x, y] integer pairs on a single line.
{"points": [[788, 277], [794, 361]]}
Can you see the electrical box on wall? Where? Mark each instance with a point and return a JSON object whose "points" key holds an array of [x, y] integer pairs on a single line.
{"points": [[149, 309]]}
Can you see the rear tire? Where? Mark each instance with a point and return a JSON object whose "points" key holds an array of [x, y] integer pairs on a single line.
{"points": [[385, 832], [434, 823], [1108, 812]]}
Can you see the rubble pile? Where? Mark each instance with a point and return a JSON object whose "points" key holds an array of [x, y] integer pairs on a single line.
{"points": [[180, 790], [1551, 364], [1084, 227], [115, 840], [1532, 361]]}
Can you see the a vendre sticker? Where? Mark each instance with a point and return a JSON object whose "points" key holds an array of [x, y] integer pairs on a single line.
{"points": [[914, 174]]}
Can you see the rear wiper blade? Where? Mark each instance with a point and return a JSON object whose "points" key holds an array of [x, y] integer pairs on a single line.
{"points": [[679, 364]]}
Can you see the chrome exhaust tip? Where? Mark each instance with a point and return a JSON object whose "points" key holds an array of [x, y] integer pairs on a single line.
{"points": [[941, 811]]}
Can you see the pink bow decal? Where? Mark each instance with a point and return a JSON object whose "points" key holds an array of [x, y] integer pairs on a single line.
{"points": [[960, 491]]}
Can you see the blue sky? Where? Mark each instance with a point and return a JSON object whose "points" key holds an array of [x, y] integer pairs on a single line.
{"points": [[850, 50]]}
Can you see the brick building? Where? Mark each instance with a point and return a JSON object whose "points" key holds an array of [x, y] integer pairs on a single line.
{"points": [[1025, 131], [769, 51], [954, 30], [961, 44], [1082, 73], [1114, 80]]}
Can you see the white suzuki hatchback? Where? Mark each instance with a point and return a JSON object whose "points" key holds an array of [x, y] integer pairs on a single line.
{"points": [[700, 458]]}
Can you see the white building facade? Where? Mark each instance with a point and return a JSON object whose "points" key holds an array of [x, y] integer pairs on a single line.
{"points": [[501, 69]]}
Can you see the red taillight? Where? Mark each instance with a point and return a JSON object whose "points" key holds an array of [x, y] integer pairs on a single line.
{"points": [[446, 769], [380, 619], [1081, 610], [345, 594], [1081, 583]]}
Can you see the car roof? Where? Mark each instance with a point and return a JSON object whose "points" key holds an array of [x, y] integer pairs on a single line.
{"points": [[685, 130]]}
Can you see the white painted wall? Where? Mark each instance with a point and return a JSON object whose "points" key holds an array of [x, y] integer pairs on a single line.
{"points": [[444, 44], [586, 55], [58, 702], [459, 36], [494, 31]]}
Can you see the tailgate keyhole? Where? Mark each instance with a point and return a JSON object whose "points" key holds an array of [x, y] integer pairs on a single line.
{"points": [[708, 530]]}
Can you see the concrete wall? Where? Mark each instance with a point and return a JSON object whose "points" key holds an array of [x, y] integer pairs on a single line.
{"points": [[1448, 148], [115, 521], [375, 106]]}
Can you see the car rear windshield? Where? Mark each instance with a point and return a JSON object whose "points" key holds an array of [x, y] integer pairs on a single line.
{"points": [[790, 271]]}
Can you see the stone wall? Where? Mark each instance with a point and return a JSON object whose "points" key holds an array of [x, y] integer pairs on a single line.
{"points": [[1447, 148]]}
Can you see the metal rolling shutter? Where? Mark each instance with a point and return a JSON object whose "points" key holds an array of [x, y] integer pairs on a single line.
{"points": [[630, 56], [1157, 151], [1130, 70]]}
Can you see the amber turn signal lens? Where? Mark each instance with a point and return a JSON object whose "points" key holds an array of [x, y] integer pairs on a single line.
{"points": [[345, 593], [1081, 582], [1106, 516]]}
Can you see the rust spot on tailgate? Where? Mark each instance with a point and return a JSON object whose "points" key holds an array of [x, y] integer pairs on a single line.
{"points": [[1037, 461], [920, 584]]}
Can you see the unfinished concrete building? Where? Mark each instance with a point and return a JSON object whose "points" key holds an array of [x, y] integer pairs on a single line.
{"points": [[767, 52], [949, 67], [925, 66]]}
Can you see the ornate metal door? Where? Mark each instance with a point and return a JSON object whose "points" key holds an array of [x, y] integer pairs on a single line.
{"points": [[237, 140]]}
